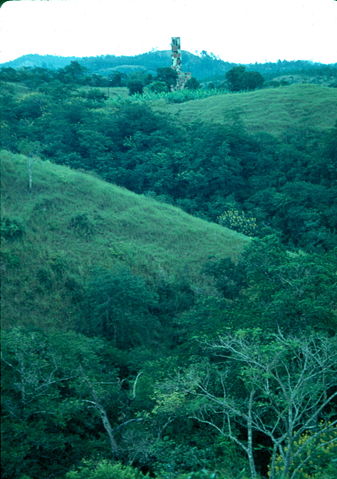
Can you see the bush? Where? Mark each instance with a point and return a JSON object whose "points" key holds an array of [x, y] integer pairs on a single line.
{"points": [[158, 87], [135, 86], [82, 224], [11, 228], [104, 470]]}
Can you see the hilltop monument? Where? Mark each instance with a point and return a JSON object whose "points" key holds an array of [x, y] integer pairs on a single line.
{"points": [[182, 78]]}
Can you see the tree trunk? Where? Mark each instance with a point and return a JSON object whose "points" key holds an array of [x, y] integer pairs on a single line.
{"points": [[250, 437], [109, 430]]}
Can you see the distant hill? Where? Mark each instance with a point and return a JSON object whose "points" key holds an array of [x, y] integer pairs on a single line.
{"points": [[204, 67], [39, 61], [72, 223], [272, 110]]}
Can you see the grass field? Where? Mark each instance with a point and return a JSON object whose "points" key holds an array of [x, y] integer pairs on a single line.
{"points": [[73, 223], [272, 109]]}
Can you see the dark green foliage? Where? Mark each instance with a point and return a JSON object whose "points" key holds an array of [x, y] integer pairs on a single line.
{"points": [[44, 389], [82, 224], [137, 81], [135, 86], [119, 307], [192, 84], [73, 73], [273, 288], [158, 86], [168, 76], [95, 98], [239, 79], [235, 78], [104, 470], [11, 228], [117, 78]]}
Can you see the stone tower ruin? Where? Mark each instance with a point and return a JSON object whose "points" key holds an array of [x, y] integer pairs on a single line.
{"points": [[176, 64]]}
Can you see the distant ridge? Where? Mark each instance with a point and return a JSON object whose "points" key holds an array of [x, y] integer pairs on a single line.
{"points": [[43, 61], [203, 66], [206, 65]]}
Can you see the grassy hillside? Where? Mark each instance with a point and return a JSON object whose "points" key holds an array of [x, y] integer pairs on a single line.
{"points": [[272, 110], [71, 223]]}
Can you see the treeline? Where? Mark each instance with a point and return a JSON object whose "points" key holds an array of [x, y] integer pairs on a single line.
{"points": [[165, 79], [75, 74], [205, 66]]}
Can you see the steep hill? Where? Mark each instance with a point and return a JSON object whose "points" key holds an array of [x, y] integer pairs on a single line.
{"points": [[71, 223], [273, 110]]}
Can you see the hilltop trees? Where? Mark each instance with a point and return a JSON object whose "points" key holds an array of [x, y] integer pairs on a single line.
{"points": [[238, 79], [168, 76], [72, 73]]}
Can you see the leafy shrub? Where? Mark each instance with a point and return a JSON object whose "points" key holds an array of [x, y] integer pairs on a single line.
{"points": [[11, 228], [104, 470], [158, 87], [44, 277], [9, 259], [82, 224]]}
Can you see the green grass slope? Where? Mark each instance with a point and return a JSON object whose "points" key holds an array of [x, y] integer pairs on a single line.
{"points": [[272, 109], [71, 223]]}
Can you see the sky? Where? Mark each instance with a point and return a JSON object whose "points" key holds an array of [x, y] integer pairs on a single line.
{"points": [[240, 31]]}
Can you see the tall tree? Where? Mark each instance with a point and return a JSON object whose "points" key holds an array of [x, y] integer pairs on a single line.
{"points": [[282, 389], [239, 79]]}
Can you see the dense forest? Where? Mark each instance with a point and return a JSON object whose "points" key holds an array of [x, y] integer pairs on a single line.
{"points": [[170, 280]]}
